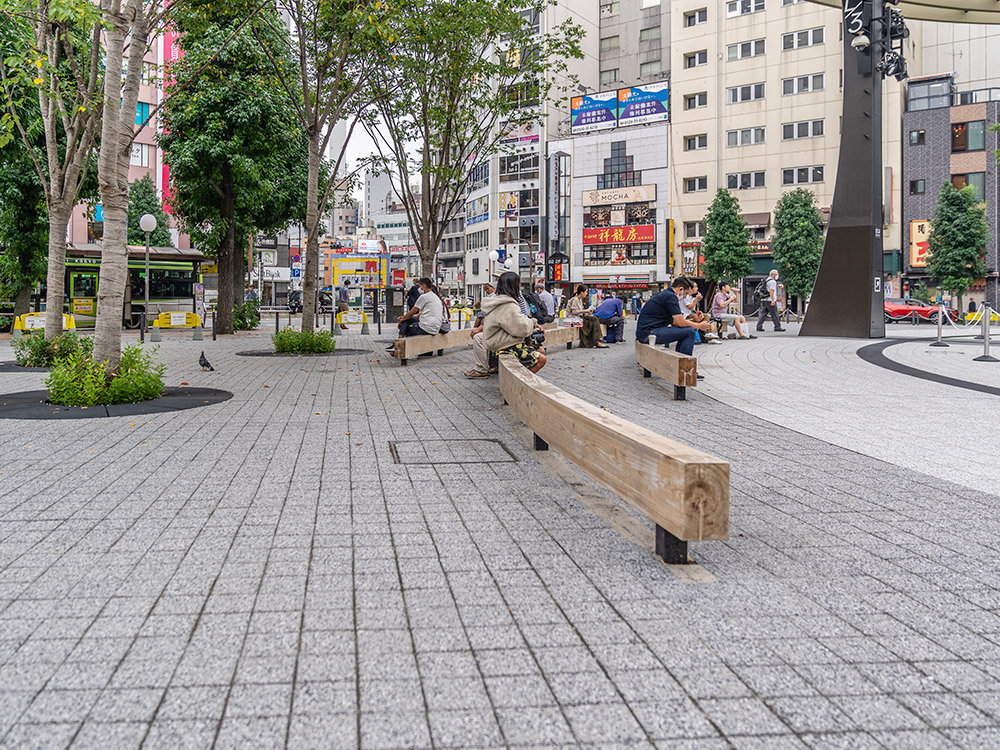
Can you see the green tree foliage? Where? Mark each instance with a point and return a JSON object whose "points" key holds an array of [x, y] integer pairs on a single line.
{"points": [[24, 227], [50, 84], [236, 152], [142, 199], [465, 74], [797, 242], [958, 239], [725, 244]]}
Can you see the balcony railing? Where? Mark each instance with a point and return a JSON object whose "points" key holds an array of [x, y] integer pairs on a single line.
{"points": [[954, 99]]}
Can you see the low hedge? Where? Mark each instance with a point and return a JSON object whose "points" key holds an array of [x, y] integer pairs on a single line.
{"points": [[77, 380], [34, 350], [290, 341]]}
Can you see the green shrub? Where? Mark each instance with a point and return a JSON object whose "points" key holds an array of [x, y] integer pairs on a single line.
{"points": [[76, 380], [246, 317], [33, 350], [290, 341]]}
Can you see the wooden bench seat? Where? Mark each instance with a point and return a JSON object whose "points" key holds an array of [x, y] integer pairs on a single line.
{"points": [[681, 370], [683, 491], [409, 347]]}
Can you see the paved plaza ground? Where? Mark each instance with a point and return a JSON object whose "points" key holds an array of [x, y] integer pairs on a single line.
{"points": [[349, 553]]}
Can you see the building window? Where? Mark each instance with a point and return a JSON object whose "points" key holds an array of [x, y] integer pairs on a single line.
{"points": [[696, 101], [802, 84], [696, 142], [750, 93], [610, 9], [917, 187], [801, 175], [609, 77], [743, 50], [609, 43], [519, 167], [140, 155], [652, 34], [792, 131], [745, 180], [141, 113], [799, 39], [976, 179], [475, 266], [695, 184], [968, 136], [693, 229], [744, 137], [649, 69], [619, 170], [917, 137], [643, 4], [743, 7], [696, 17], [695, 59], [791, 2]]}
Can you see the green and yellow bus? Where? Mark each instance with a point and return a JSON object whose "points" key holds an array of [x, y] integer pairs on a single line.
{"points": [[174, 274]]}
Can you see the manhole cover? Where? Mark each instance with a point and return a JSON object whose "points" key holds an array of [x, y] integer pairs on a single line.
{"points": [[426, 452]]}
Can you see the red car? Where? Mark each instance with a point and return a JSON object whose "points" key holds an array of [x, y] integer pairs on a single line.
{"points": [[903, 309]]}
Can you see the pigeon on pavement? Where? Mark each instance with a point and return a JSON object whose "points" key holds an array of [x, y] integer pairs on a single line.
{"points": [[205, 365]]}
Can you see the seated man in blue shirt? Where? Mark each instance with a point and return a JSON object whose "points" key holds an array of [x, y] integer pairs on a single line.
{"points": [[662, 319], [611, 313]]}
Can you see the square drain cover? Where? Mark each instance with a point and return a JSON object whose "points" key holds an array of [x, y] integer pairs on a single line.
{"points": [[477, 451]]}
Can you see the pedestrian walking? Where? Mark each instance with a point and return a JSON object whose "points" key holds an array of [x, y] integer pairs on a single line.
{"points": [[343, 295], [769, 302]]}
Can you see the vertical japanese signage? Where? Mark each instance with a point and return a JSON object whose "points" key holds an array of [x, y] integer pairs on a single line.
{"points": [[920, 243]]}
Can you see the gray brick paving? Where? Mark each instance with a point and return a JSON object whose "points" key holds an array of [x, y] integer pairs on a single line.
{"points": [[261, 573]]}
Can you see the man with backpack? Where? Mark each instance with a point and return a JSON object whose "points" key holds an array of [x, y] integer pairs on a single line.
{"points": [[767, 294]]}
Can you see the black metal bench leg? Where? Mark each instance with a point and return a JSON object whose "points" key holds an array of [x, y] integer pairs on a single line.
{"points": [[540, 445], [680, 393], [646, 373], [671, 550], [402, 362], [569, 344]]}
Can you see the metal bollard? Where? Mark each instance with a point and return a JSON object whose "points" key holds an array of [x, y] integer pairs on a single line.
{"points": [[333, 321], [213, 325], [142, 328], [987, 314], [277, 321], [940, 322]]}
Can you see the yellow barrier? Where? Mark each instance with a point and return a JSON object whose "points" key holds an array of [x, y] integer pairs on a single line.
{"points": [[351, 316], [994, 317], [36, 321], [176, 320]]}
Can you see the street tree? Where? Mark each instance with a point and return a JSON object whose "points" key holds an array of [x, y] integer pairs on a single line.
{"points": [[337, 47], [23, 227], [958, 239], [797, 242], [236, 152], [468, 76], [725, 244], [142, 199], [51, 75]]}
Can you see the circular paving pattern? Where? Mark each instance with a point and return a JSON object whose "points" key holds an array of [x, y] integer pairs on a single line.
{"points": [[271, 353], [11, 365], [33, 404], [874, 354]]}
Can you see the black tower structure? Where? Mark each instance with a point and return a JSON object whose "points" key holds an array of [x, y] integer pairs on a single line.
{"points": [[847, 299]]}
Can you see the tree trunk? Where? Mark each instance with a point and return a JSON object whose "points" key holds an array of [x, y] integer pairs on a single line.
{"points": [[239, 268], [55, 280], [22, 300], [120, 100], [312, 242], [225, 302]]}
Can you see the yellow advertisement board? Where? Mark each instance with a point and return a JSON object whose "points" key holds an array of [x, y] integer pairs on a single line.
{"points": [[920, 246]]}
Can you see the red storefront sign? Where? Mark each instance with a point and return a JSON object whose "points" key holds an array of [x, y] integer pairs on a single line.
{"points": [[609, 235]]}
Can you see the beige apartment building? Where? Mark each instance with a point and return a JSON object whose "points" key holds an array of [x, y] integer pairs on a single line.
{"points": [[756, 106]]}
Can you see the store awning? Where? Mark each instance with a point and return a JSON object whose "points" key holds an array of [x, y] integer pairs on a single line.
{"points": [[954, 11], [757, 221]]}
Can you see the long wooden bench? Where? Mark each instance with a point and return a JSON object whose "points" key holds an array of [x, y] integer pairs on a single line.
{"points": [[683, 491], [413, 346], [681, 370]]}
